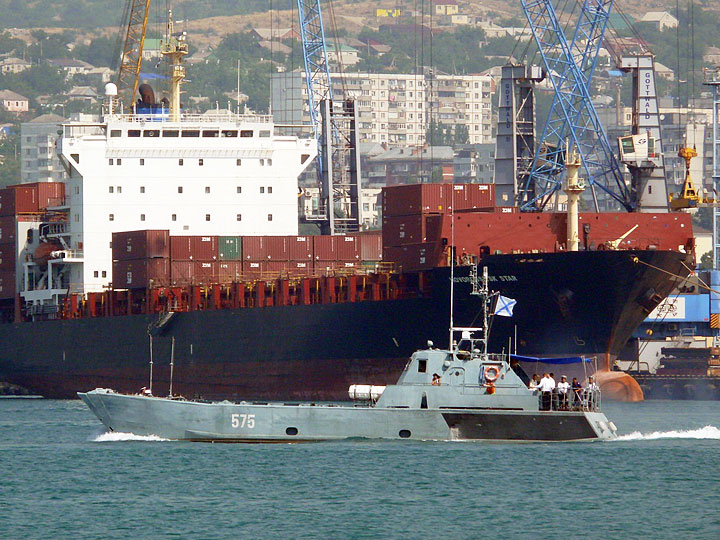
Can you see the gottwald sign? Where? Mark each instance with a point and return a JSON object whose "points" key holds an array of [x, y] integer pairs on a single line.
{"points": [[672, 308]]}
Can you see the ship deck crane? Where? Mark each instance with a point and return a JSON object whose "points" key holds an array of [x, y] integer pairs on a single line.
{"points": [[128, 77]]}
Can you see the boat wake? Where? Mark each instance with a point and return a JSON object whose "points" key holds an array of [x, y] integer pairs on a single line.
{"points": [[707, 432], [112, 436]]}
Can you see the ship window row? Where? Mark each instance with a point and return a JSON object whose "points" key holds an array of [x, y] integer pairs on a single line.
{"points": [[180, 189], [96, 273], [207, 133], [181, 162], [173, 217]]}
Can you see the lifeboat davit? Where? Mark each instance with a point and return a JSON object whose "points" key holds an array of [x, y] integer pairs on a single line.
{"points": [[44, 252]]}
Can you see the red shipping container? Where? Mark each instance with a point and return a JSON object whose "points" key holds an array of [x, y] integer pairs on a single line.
{"points": [[50, 194], [300, 248], [414, 199], [194, 248], [276, 269], [182, 272], [253, 269], [26, 198], [471, 196], [206, 272], [7, 284], [7, 202], [8, 257], [413, 257], [300, 268], [147, 244], [399, 230], [347, 248], [276, 248], [370, 247], [254, 248], [7, 229], [324, 248], [229, 271], [141, 273]]}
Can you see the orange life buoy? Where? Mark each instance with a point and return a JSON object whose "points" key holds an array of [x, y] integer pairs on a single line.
{"points": [[491, 373]]}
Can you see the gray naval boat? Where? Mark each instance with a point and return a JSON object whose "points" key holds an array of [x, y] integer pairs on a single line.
{"points": [[461, 393]]}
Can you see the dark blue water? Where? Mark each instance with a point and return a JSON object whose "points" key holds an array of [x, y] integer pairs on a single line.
{"points": [[60, 477]]}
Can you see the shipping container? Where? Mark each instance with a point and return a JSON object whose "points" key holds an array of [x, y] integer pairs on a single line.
{"points": [[230, 248], [253, 269], [194, 248], [229, 271], [148, 244], [7, 202], [141, 273], [276, 248], [300, 248], [8, 256], [26, 198], [50, 194], [254, 248], [414, 257], [7, 284], [414, 229], [414, 199], [206, 272], [347, 248], [370, 247], [300, 268], [464, 197], [324, 248], [182, 272], [8, 227]]}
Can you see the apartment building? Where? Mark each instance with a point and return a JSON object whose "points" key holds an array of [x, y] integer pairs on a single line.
{"points": [[397, 109], [39, 162]]}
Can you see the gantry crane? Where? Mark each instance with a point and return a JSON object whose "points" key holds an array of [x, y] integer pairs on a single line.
{"points": [[335, 128]]}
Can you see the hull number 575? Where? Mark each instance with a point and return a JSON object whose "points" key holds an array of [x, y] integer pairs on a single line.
{"points": [[242, 420]]}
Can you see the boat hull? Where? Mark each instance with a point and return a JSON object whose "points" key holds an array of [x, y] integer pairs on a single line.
{"points": [[583, 303], [245, 422]]}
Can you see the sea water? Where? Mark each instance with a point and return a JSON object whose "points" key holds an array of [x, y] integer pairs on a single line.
{"points": [[62, 476]]}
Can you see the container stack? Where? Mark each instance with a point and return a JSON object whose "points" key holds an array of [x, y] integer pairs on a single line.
{"points": [[415, 218], [194, 260], [229, 258], [141, 259]]}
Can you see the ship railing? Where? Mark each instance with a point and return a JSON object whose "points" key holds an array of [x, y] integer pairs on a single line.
{"points": [[194, 118], [583, 399]]}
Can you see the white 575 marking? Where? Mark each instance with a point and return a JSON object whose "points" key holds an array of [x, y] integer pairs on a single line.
{"points": [[242, 420]]}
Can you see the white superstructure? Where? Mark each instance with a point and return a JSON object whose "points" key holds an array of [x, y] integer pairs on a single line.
{"points": [[214, 174]]}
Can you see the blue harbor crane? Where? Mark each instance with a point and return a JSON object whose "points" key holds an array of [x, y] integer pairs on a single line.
{"points": [[335, 128], [572, 119]]}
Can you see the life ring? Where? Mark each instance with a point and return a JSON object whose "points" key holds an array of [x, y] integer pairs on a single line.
{"points": [[491, 373]]}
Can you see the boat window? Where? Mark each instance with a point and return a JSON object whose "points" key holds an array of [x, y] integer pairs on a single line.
{"points": [[116, 132], [404, 433], [264, 133], [422, 366], [229, 133], [151, 133], [133, 132], [211, 133], [291, 431], [246, 133], [423, 401], [304, 158], [170, 133], [191, 133]]}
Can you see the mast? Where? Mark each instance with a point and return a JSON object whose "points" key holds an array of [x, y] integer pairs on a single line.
{"points": [[174, 47]]}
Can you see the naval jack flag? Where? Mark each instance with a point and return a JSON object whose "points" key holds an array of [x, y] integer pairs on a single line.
{"points": [[504, 306]]}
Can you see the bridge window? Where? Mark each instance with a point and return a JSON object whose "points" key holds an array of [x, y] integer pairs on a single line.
{"points": [[246, 133], [151, 133], [422, 366], [170, 133], [133, 132], [116, 133], [210, 133], [229, 133], [191, 133]]}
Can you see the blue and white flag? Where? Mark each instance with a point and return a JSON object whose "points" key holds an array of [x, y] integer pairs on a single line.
{"points": [[504, 306]]}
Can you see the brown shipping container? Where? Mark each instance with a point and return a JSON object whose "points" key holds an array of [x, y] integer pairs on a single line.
{"points": [[7, 284], [26, 198], [182, 272], [414, 199], [324, 248], [370, 247], [7, 202], [206, 272], [194, 248], [300, 248], [276, 248], [147, 244], [50, 194], [8, 257], [254, 248], [414, 257], [140, 273], [399, 230], [180, 248], [300, 268], [347, 248], [471, 196], [276, 269], [7, 229], [229, 271], [253, 269]]}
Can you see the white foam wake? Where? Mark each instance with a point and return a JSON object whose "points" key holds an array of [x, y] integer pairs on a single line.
{"points": [[707, 432], [113, 436]]}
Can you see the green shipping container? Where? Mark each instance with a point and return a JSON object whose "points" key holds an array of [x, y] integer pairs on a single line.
{"points": [[230, 248]]}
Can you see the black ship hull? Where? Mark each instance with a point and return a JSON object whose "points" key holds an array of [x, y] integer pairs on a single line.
{"points": [[583, 303]]}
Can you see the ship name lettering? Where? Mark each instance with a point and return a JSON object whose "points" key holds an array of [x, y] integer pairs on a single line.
{"points": [[242, 420]]}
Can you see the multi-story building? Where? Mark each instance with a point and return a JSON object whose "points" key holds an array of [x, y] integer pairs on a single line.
{"points": [[397, 109], [39, 161]]}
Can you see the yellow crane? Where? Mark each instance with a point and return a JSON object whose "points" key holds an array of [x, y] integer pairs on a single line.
{"points": [[129, 73], [688, 196]]}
